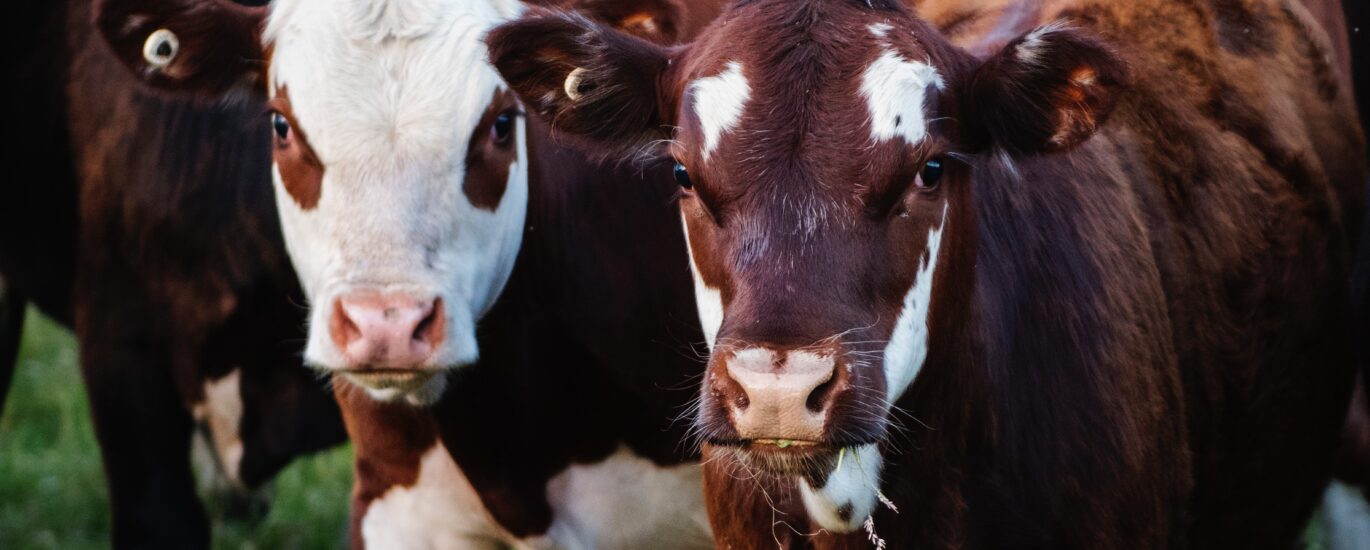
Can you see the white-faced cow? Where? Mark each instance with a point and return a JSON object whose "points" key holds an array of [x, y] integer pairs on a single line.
{"points": [[416, 200], [1086, 291], [144, 224]]}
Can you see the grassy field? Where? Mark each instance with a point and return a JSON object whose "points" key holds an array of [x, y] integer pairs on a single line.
{"points": [[52, 492]]}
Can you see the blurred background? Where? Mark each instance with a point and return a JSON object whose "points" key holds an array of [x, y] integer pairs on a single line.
{"points": [[52, 489]]}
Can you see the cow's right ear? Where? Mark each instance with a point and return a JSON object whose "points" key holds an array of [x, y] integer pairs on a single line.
{"points": [[206, 48], [588, 81]]}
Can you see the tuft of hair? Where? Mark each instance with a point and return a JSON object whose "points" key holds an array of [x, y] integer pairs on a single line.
{"points": [[588, 81], [1046, 91]]}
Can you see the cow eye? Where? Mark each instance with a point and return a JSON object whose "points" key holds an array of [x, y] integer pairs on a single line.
{"points": [[503, 128], [930, 174], [682, 177], [281, 126]]}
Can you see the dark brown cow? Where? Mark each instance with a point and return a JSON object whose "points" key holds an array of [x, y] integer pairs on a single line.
{"points": [[416, 200], [146, 225], [1087, 291]]}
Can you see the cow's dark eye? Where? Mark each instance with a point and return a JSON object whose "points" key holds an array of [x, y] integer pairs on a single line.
{"points": [[281, 126], [931, 174], [503, 128], [682, 177]]}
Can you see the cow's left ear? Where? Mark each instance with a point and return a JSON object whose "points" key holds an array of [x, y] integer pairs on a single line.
{"points": [[1048, 90], [588, 81], [204, 48]]}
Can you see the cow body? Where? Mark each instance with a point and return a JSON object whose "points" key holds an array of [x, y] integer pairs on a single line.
{"points": [[1061, 293], [146, 225]]}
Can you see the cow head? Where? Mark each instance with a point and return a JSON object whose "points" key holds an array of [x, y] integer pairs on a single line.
{"points": [[400, 159], [826, 153]]}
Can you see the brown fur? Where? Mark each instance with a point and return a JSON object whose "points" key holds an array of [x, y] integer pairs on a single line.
{"points": [[1138, 339], [146, 226], [301, 171], [589, 346]]}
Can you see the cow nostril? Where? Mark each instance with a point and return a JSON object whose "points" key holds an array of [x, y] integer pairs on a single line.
{"points": [[430, 328], [818, 398], [344, 329]]}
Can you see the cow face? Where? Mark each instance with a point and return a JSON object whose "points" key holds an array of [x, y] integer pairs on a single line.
{"points": [[825, 152], [401, 167], [401, 174]]}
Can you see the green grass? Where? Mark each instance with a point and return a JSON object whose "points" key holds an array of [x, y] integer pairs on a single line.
{"points": [[52, 492]]}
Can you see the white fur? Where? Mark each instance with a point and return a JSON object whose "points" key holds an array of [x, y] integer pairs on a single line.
{"points": [[1029, 51], [708, 300], [1345, 517], [908, 345], [719, 102], [372, 85], [854, 482], [221, 412], [627, 501], [621, 502], [440, 511], [895, 89], [880, 30]]}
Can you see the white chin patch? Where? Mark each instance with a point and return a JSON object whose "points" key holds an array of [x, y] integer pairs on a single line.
{"points": [[850, 494], [718, 102], [895, 89], [908, 345]]}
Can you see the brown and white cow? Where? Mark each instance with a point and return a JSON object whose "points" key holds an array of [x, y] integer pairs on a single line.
{"points": [[142, 223], [1086, 291], [416, 200]]}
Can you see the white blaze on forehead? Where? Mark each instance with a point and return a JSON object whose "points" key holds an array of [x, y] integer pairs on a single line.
{"points": [[895, 89], [708, 300], [851, 491], [908, 345], [718, 102]]}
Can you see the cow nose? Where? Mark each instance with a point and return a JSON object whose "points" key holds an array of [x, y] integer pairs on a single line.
{"points": [[374, 330], [786, 394]]}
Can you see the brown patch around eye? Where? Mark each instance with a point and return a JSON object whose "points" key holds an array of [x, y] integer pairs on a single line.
{"points": [[301, 171], [488, 158]]}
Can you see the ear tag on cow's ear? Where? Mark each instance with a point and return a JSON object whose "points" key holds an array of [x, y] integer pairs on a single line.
{"points": [[572, 86], [161, 48]]}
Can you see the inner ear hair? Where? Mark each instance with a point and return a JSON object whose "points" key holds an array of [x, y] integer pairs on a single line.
{"points": [[590, 82], [1046, 91]]}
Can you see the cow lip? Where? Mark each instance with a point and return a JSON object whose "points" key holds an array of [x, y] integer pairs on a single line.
{"points": [[387, 378]]}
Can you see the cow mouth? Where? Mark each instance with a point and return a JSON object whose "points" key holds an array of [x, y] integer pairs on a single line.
{"points": [[402, 380], [783, 457]]}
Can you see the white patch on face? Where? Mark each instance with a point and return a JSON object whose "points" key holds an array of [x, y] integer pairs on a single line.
{"points": [[708, 300], [626, 501], [855, 483], [718, 102], [392, 128], [895, 89], [880, 30], [221, 413], [908, 345]]}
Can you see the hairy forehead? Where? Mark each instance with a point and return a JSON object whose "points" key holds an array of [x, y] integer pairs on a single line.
{"points": [[830, 83], [406, 76]]}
